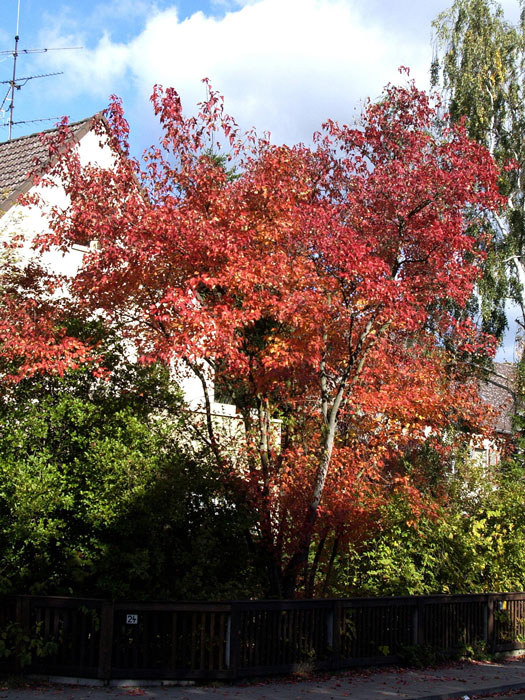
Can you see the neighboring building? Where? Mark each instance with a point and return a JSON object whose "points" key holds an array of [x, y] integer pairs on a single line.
{"points": [[20, 156], [498, 393], [18, 159]]}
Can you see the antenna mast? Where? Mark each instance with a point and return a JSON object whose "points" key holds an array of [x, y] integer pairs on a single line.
{"points": [[13, 81], [14, 84]]}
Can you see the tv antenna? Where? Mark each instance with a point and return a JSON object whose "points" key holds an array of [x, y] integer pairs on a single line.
{"points": [[18, 83]]}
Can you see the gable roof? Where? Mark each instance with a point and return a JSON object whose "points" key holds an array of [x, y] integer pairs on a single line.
{"points": [[499, 392], [19, 156]]}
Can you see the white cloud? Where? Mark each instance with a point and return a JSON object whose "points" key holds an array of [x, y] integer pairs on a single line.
{"points": [[98, 72], [283, 65]]}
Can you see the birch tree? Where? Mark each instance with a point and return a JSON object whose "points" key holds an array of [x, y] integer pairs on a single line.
{"points": [[479, 65]]}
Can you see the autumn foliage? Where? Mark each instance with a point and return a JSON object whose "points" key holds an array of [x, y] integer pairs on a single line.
{"points": [[317, 284], [33, 339]]}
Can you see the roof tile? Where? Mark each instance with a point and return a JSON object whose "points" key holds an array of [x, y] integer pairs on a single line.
{"points": [[18, 158], [499, 392]]}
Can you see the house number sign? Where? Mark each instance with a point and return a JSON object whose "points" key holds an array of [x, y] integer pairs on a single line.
{"points": [[132, 619]]}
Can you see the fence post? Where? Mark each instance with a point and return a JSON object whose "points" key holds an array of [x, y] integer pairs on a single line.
{"points": [[234, 641], [106, 641], [491, 631]]}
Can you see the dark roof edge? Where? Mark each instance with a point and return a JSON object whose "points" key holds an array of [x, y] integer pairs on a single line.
{"points": [[56, 128]]}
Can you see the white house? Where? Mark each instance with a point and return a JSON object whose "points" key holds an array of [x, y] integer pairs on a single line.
{"points": [[499, 393], [18, 158]]}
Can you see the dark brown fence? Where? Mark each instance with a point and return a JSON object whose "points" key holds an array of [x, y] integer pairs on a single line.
{"points": [[100, 639]]}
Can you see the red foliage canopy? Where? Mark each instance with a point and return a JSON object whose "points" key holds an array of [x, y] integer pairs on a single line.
{"points": [[33, 338], [319, 281]]}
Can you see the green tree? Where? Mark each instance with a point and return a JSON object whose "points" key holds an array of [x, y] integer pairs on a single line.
{"points": [[471, 540]]}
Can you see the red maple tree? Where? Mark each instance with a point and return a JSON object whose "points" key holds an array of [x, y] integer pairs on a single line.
{"points": [[316, 282], [33, 337]]}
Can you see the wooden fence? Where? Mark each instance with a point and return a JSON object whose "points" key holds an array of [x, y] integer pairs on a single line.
{"points": [[94, 638]]}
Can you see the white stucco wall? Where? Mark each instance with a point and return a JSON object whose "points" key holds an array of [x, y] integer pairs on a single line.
{"points": [[31, 221]]}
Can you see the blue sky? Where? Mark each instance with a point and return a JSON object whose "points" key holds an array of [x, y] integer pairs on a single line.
{"points": [[284, 66]]}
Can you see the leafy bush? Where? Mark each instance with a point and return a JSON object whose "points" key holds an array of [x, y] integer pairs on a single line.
{"points": [[18, 646], [98, 495], [471, 541]]}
